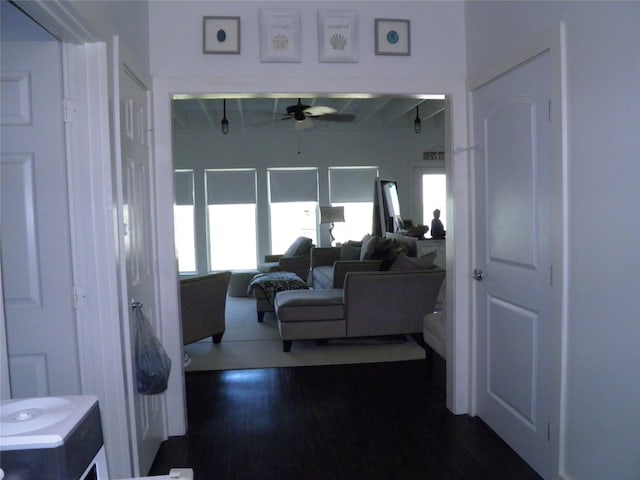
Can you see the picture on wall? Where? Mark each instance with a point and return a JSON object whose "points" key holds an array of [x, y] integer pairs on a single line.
{"points": [[392, 37], [221, 35], [280, 35], [338, 36]]}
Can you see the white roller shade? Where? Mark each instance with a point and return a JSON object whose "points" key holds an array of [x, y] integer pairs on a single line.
{"points": [[183, 181], [348, 185], [227, 187], [293, 185]]}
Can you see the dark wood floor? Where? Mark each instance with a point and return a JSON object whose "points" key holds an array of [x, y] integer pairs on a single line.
{"points": [[373, 421]]}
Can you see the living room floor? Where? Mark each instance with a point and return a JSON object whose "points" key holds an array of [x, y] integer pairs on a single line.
{"points": [[382, 421]]}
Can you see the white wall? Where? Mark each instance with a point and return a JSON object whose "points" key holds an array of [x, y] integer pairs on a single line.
{"points": [[436, 40], [601, 405], [436, 65], [129, 20]]}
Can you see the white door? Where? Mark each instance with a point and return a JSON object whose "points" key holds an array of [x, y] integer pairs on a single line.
{"points": [[137, 241], [511, 116], [36, 250]]}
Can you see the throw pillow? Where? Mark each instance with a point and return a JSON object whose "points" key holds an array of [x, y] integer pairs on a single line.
{"points": [[348, 252], [369, 243], [397, 248], [382, 249], [426, 261], [299, 247], [404, 263]]}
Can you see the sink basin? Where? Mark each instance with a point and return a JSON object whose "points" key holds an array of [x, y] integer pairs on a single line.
{"points": [[42, 421]]}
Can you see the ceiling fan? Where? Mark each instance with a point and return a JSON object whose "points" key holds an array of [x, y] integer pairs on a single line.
{"points": [[301, 113]]}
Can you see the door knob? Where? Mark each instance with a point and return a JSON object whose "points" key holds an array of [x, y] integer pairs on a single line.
{"points": [[477, 274]]}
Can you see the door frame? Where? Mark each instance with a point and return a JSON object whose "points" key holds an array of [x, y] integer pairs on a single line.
{"points": [[552, 40], [88, 84], [458, 364]]}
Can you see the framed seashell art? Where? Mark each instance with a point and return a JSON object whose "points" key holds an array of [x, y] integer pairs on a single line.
{"points": [[221, 35], [280, 35], [338, 36]]}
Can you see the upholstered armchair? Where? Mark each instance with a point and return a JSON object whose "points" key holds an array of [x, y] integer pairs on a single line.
{"points": [[202, 305], [297, 259]]}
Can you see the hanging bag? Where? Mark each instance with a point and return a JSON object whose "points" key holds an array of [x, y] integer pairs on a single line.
{"points": [[152, 362]]}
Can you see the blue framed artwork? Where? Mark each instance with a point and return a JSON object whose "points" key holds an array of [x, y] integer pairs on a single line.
{"points": [[221, 35], [393, 36]]}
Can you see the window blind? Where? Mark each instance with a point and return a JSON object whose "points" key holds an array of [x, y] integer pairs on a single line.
{"points": [[293, 185], [225, 187], [183, 182], [348, 185]]}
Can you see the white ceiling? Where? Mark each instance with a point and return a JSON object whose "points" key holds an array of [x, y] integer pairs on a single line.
{"points": [[253, 112]]}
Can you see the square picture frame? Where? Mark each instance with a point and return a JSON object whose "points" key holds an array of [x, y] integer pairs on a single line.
{"points": [[221, 35], [338, 39], [280, 35], [392, 36]]}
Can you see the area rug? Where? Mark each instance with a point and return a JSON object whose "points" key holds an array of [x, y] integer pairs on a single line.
{"points": [[249, 344]]}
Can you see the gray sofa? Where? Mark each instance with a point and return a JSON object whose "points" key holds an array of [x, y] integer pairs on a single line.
{"points": [[295, 260], [329, 267], [202, 306], [370, 304]]}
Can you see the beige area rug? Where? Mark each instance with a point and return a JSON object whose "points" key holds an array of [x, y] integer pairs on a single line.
{"points": [[249, 344]]}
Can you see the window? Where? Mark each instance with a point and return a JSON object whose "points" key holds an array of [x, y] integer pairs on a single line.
{"points": [[353, 188], [231, 219], [184, 222], [293, 206], [432, 183]]}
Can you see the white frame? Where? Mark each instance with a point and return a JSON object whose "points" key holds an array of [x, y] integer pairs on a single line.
{"points": [[384, 27], [210, 41], [280, 35], [332, 35]]}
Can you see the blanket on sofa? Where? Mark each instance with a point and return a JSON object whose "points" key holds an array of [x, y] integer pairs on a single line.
{"points": [[274, 282]]}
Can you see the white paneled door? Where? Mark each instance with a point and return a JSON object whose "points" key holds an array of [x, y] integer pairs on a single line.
{"points": [[511, 121], [36, 250], [138, 248]]}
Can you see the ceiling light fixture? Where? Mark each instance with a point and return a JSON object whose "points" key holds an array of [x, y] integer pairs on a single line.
{"points": [[224, 124], [417, 123]]}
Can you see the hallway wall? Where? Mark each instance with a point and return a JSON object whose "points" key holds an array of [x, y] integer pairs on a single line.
{"points": [[602, 349]]}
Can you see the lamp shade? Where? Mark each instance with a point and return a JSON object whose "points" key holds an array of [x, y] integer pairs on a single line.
{"points": [[331, 214]]}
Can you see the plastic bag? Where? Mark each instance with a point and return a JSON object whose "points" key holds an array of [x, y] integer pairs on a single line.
{"points": [[152, 362]]}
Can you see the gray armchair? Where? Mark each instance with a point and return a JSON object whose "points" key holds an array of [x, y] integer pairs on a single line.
{"points": [[297, 259], [202, 305]]}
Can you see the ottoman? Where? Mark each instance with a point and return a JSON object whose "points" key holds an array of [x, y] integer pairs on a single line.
{"points": [[265, 286], [310, 314], [239, 283]]}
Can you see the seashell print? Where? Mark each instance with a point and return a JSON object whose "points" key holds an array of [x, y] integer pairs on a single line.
{"points": [[338, 42], [280, 42]]}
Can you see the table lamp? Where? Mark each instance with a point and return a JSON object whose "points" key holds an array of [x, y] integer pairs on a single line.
{"points": [[331, 215]]}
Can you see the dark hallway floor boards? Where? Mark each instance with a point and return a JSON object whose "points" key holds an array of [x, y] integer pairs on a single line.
{"points": [[349, 422]]}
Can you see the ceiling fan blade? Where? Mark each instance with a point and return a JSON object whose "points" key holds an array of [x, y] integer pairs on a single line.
{"points": [[318, 110], [337, 117]]}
